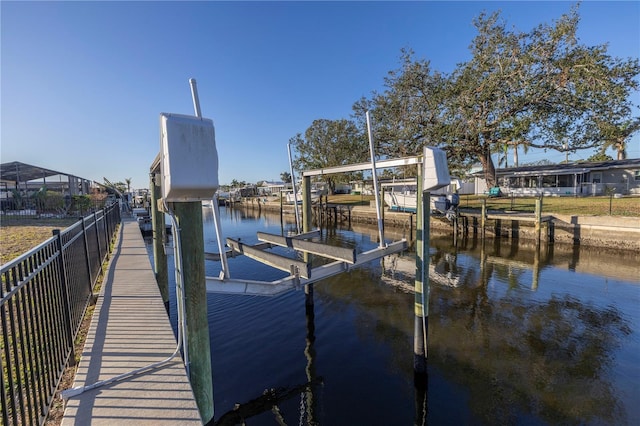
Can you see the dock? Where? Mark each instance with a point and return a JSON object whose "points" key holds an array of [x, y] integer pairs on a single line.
{"points": [[129, 330]]}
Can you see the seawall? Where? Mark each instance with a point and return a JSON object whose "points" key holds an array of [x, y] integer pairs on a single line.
{"points": [[594, 231]]}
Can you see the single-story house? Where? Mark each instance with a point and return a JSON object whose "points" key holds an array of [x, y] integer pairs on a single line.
{"points": [[273, 188], [568, 179]]}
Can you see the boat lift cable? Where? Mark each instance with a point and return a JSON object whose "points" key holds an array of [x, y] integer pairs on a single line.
{"points": [[181, 341]]}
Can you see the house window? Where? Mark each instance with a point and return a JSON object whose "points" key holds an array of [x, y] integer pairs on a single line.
{"points": [[514, 182], [596, 177], [636, 175], [565, 181]]}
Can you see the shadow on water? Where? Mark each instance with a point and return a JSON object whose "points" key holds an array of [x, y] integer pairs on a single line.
{"points": [[518, 334]]}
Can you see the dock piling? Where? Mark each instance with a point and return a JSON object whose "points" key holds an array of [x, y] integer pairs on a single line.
{"points": [[421, 305], [483, 217], [538, 219], [159, 256], [306, 227], [189, 219]]}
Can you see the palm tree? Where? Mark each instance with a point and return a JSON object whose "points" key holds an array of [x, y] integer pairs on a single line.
{"points": [[504, 149], [516, 144], [286, 177], [616, 135]]}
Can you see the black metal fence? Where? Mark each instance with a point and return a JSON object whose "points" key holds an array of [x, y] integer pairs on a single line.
{"points": [[45, 293], [51, 205]]}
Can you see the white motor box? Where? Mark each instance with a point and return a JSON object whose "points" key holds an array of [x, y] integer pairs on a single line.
{"points": [[189, 163], [436, 171]]}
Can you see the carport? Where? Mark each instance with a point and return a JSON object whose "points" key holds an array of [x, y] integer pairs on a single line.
{"points": [[26, 177]]}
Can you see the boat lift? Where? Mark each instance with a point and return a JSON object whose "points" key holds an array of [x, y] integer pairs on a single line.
{"points": [[435, 175]]}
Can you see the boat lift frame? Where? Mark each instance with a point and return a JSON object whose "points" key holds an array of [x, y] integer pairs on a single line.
{"points": [[301, 273]]}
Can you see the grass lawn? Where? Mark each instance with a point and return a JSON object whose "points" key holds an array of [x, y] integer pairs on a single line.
{"points": [[582, 206], [19, 235]]}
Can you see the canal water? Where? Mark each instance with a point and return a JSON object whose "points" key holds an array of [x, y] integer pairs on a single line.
{"points": [[517, 335]]}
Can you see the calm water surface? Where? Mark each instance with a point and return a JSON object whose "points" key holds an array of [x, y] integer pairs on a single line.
{"points": [[516, 336]]}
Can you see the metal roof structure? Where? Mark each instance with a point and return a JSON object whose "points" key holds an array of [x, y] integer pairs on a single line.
{"points": [[565, 168], [580, 167], [16, 171]]}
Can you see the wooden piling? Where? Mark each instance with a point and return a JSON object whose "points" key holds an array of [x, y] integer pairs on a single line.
{"points": [[538, 220], [421, 305], [483, 217], [189, 218], [306, 227], [159, 237]]}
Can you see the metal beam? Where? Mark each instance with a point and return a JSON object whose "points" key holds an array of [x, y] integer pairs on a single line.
{"points": [[155, 165], [231, 253], [382, 164], [280, 262], [304, 235], [262, 246], [273, 288], [338, 253]]}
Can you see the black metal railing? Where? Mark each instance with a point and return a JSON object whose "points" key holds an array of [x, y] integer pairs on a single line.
{"points": [[50, 206], [45, 293]]}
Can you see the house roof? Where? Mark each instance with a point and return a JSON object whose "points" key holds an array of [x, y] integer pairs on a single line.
{"points": [[16, 171], [568, 168]]}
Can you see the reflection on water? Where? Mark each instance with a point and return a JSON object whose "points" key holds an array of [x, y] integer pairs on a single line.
{"points": [[517, 334], [527, 338]]}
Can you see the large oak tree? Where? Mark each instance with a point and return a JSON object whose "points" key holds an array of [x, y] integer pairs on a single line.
{"points": [[328, 143], [540, 89]]}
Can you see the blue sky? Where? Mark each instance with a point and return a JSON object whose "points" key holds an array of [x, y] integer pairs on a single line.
{"points": [[83, 83]]}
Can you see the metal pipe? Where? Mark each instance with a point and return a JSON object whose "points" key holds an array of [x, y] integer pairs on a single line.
{"points": [[295, 194], [194, 96], [375, 180], [216, 211], [179, 276], [225, 273]]}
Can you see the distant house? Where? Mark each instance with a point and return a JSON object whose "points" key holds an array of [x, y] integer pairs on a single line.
{"points": [[579, 179], [342, 188], [272, 188], [359, 187]]}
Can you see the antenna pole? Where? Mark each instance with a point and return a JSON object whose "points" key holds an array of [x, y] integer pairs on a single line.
{"points": [[194, 96]]}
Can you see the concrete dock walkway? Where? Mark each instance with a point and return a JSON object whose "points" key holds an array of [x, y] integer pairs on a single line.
{"points": [[129, 330]]}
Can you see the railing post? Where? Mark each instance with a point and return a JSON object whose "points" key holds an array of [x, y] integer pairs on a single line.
{"points": [[117, 213], [86, 255], [95, 226], [65, 295], [107, 218], [107, 239]]}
